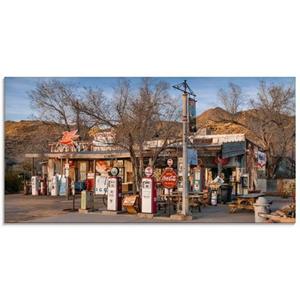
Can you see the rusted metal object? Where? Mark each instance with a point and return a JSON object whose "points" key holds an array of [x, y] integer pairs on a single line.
{"points": [[285, 215]]}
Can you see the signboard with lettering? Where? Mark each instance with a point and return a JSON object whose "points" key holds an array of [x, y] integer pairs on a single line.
{"points": [[180, 165], [130, 200], [169, 178], [202, 141]]}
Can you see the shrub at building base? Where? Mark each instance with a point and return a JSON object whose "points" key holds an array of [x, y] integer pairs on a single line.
{"points": [[13, 182]]}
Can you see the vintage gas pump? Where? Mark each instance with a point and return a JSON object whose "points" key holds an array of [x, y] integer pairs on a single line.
{"points": [[44, 187], [101, 185], [114, 191], [149, 195], [90, 182], [54, 187], [245, 183], [197, 185], [63, 185], [35, 185]]}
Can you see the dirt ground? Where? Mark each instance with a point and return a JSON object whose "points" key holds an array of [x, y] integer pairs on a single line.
{"points": [[26, 208], [21, 208]]}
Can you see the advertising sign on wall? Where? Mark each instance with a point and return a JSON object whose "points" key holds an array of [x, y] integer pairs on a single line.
{"points": [[261, 159]]}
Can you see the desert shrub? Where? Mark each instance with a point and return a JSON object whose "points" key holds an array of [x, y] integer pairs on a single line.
{"points": [[13, 182]]}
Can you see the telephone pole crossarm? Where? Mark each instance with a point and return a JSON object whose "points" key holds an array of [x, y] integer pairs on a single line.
{"points": [[184, 87]]}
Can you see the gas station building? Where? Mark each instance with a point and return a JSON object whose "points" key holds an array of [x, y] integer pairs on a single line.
{"points": [[210, 155]]}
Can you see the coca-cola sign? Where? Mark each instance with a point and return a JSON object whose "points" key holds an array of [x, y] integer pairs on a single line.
{"points": [[169, 178]]}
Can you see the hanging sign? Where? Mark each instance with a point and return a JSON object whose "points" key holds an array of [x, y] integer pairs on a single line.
{"points": [[169, 178], [192, 115], [192, 157]]}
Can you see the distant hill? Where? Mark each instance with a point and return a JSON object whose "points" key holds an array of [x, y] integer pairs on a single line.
{"points": [[28, 137], [212, 114], [218, 121], [34, 136]]}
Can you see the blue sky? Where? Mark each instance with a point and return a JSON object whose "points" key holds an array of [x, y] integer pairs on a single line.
{"points": [[17, 102]]}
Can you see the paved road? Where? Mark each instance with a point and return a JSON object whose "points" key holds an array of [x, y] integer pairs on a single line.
{"points": [[41, 209]]}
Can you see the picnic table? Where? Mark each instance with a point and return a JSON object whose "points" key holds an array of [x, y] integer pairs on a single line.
{"points": [[175, 200], [244, 202]]}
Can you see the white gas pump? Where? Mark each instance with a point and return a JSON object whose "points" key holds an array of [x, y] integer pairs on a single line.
{"points": [[114, 191], [149, 195], [35, 184], [63, 185], [54, 186]]}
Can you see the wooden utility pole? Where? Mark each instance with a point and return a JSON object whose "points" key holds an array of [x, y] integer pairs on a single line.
{"points": [[184, 87]]}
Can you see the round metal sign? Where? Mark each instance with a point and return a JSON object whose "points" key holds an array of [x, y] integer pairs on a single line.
{"points": [[170, 162], [114, 171], [169, 178], [148, 171]]}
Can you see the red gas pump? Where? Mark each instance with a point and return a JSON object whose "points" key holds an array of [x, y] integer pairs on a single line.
{"points": [[90, 182], [149, 194], [44, 186], [114, 191]]}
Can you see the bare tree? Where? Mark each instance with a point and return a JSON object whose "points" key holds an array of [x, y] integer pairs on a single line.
{"points": [[232, 99], [273, 121], [51, 101], [137, 118], [59, 102]]}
